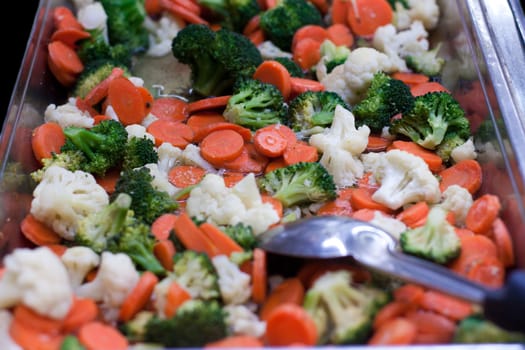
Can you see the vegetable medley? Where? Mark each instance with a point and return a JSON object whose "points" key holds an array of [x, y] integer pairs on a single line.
{"points": [[142, 221]]}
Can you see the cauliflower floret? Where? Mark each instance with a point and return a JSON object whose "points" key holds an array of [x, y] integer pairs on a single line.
{"points": [[78, 262], [6, 342], [458, 200], [233, 283], [116, 277], [351, 79], [160, 180], [37, 278], [464, 151], [63, 198], [211, 200], [241, 320], [137, 130], [341, 145], [403, 177], [168, 156], [269, 51], [397, 45], [161, 34], [93, 16], [391, 225], [68, 114], [191, 155], [426, 11]]}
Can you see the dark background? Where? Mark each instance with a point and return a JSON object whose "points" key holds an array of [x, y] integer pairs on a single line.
{"points": [[16, 33]]}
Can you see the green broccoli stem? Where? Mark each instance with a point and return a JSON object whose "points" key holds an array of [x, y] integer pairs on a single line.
{"points": [[85, 140], [143, 257], [209, 77], [119, 212]]}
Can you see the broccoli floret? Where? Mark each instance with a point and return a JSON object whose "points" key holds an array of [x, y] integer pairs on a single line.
{"points": [[255, 104], [403, 3], [135, 328], [445, 148], [299, 183], [290, 65], [232, 14], [477, 330], [139, 152], [242, 234], [343, 311], [96, 51], [147, 202], [427, 62], [216, 59], [71, 342], [313, 109], [385, 98], [433, 116], [126, 24], [102, 145], [436, 240], [333, 55], [92, 75], [70, 160], [195, 323], [282, 21], [196, 273]]}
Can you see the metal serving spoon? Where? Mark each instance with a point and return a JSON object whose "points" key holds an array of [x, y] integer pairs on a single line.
{"points": [[336, 237]]}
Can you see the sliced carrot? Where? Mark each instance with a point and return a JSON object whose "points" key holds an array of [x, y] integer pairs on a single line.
{"points": [[446, 305], [300, 152], [175, 297], [47, 139], [224, 243], [153, 7], [377, 143], [290, 290], [285, 132], [38, 233], [473, 248], [390, 311], [29, 338], [415, 215], [409, 293], [97, 118], [273, 72], [147, 99], [98, 336], [252, 25], [29, 318], [164, 250], [176, 133], [425, 88], [209, 103], [170, 108], [362, 199], [63, 17], [466, 173], [64, 78], [259, 276], [336, 207], [231, 178], [488, 271], [307, 53], [276, 204], [203, 119], [250, 161], [311, 31], [339, 11], [364, 214], [269, 142], [429, 322], [236, 341], [300, 85], [411, 78], [190, 5], [463, 232], [192, 237], [64, 58], [139, 296], [185, 175], [126, 100], [257, 37], [275, 163], [482, 213], [204, 131], [340, 34], [109, 180], [365, 16], [184, 13], [397, 331], [289, 323], [70, 36], [57, 249], [434, 162], [82, 311], [504, 244], [221, 146], [100, 91]]}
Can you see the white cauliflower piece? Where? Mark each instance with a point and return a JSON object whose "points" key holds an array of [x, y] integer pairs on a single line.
{"points": [[93, 16], [341, 145], [243, 321], [78, 262], [160, 180], [212, 201], [161, 34], [425, 11], [6, 342], [116, 277], [391, 225], [463, 152], [38, 279], [137, 130], [403, 177], [233, 283], [191, 155], [63, 198], [351, 79], [68, 114], [169, 155], [397, 45], [269, 51], [458, 200]]}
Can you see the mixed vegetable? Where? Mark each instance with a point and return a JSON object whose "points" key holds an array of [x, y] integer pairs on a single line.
{"points": [[141, 218]]}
